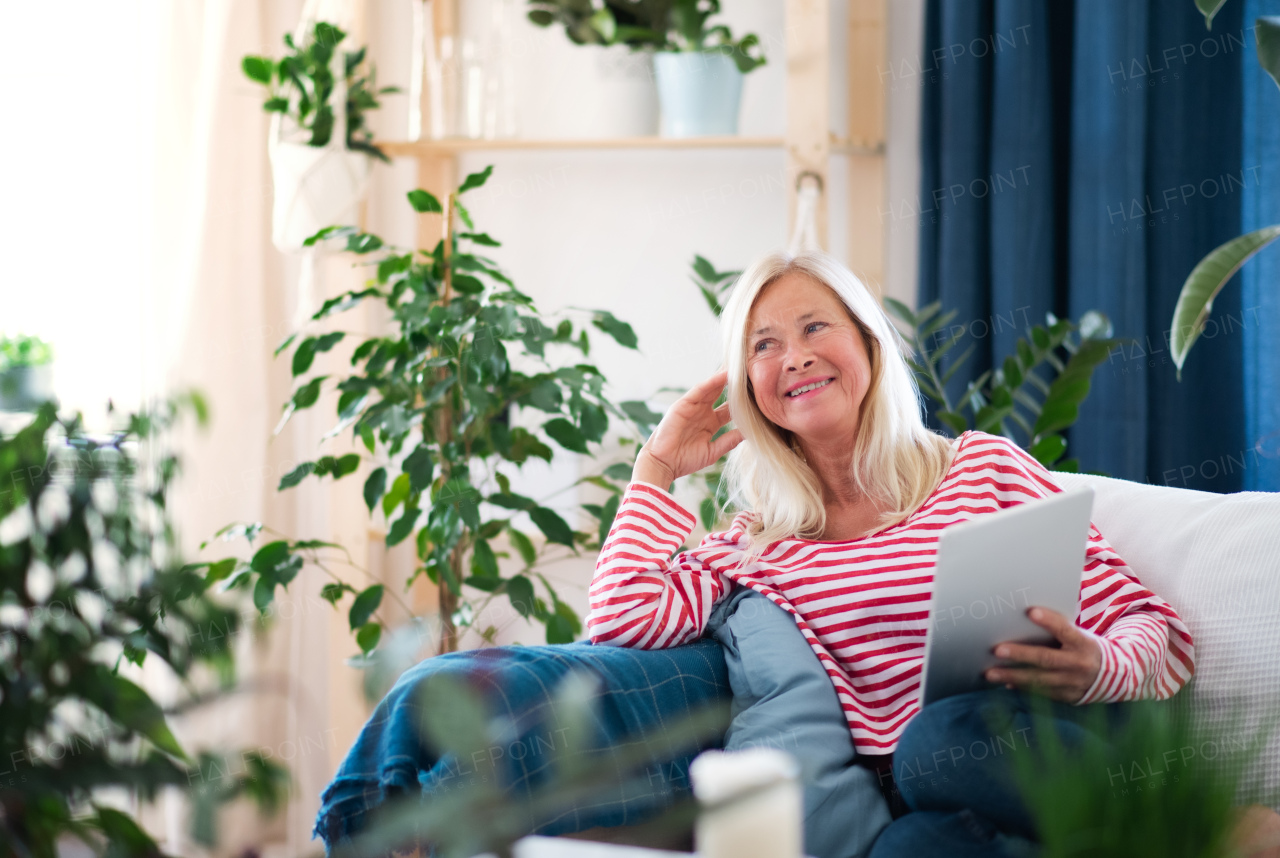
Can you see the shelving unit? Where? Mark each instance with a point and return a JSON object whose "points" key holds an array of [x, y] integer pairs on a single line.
{"points": [[808, 141], [808, 144]]}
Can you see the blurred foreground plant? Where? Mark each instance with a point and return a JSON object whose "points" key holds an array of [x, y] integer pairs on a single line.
{"points": [[90, 588], [484, 814], [1153, 790]]}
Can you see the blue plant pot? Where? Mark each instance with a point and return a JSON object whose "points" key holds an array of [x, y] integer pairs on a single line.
{"points": [[699, 92]]}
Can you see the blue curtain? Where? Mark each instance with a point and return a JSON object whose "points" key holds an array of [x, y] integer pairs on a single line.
{"points": [[1085, 155]]}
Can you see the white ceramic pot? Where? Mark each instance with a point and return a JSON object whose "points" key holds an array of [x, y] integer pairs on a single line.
{"points": [[700, 93], [22, 388], [591, 92]]}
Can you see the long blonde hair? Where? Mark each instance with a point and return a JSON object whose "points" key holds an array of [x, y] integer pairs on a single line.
{"points": [[897, 460]]}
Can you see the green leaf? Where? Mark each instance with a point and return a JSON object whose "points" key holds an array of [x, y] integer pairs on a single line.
{"points": [[1048, 449], [901, 311], [269, 556], [403, 526], [258, 69], [615, 328], [524, 545], [475, 180], [134, 708], [480, 238], [467, 285], [363, 243], [264, 591], [1267, 35], [364, 606], [511, 500], [1209, 8], [276, 105], [1206, 280], [220, 570], [565, 434], [332, 592], [424, 203], [348, 464], [520, 592], [483, 561], [393, 265], [420, 467], [608, 512], [463, 213], [368, 636], [620, 471], [640, 413], [399, 491], [308, 394], [296, 476], [593, 422], [553, 527]]}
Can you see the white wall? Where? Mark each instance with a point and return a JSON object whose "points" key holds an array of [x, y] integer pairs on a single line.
{"points": [[615, 229]]}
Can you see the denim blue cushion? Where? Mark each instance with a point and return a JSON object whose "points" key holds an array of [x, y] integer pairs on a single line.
{"points": [[783, 698]]}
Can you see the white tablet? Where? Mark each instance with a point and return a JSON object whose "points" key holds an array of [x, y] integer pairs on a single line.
{"points": [[989, 571]]}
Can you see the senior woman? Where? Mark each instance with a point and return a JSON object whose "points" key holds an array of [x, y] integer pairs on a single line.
{"points": [[844, 493]]}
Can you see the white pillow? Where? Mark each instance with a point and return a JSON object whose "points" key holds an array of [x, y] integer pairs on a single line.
{"points": [[1216, 560]]}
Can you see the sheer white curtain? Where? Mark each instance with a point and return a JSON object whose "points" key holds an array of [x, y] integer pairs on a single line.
{"points": [[223, 302], [136, 237]]}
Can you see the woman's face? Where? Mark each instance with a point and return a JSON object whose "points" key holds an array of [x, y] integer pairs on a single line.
{"points": [[807, 361]]}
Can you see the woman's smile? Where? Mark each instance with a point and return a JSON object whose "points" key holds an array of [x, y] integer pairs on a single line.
{"points": [[808, 391]]}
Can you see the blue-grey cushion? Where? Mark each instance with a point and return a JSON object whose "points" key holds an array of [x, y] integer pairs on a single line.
{"points": [[783, 698]]}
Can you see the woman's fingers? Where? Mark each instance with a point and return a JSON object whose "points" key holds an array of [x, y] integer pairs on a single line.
{"points": [[725, 443], [1040, 656], [723, 413]]}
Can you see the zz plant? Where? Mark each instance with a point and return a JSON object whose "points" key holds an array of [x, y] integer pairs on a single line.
{"points": [[444, 417]]}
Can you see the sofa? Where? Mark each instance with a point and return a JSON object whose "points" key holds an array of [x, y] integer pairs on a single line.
{"points": [[1215, 558]]}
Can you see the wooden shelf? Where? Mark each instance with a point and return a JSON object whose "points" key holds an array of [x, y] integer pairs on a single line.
{"points": [[451, 146]]}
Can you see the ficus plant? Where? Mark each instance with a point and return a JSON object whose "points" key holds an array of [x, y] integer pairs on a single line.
{"points": [[442, 419], [91, 587], [300, 85]]}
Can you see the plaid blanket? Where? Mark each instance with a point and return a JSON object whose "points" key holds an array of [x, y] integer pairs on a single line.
{"points": [[639, 691]]}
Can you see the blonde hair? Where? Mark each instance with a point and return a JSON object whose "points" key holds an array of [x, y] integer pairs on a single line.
{"points": [[897, 460]]}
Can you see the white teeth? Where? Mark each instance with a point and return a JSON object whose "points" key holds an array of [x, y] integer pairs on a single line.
{"points": [[809, 387]]}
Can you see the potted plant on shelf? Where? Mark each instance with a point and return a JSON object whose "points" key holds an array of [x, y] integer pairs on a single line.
{"points": [[321, 147], [698, 67], [26, 372]]}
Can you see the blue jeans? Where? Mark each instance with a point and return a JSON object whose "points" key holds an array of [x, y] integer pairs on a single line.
{"points": [[953, 768]]}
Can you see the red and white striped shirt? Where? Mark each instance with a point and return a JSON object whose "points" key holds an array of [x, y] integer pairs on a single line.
{"points": [[863, 604]]}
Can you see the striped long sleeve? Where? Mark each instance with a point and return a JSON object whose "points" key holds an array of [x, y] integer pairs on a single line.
{"points": [[863, 604], [641, 596], [1147, 650]]}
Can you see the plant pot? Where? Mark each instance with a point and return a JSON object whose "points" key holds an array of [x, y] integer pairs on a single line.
{"points": [[595, 93], [23, 388], [315, 187], [700, 93]]}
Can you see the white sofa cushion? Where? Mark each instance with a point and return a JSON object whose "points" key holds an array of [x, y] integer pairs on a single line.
{"points": [[1216, 560]]}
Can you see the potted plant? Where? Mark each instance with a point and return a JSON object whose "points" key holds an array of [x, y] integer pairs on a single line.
{"points": [[91, 589], [698, 67], [445, 421], [321, 147], [26, 372]]}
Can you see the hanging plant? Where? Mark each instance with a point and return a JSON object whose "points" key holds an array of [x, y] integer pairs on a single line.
{"points": [[307, 71]]}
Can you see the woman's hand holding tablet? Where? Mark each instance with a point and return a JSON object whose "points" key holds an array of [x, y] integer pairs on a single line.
{"points": [[1064, 673]]}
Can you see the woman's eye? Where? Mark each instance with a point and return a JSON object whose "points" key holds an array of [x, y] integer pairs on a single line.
{"points": [[809, 327], [760, 345]]}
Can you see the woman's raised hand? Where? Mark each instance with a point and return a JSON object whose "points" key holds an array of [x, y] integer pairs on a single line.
{"points": [[681, 444]]}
